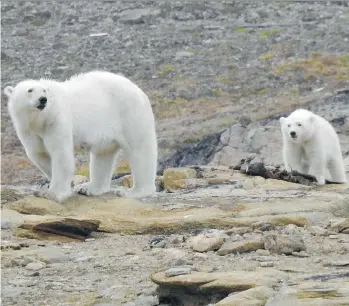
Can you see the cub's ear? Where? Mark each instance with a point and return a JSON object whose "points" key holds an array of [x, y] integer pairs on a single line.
{"points": [[282, 120], [8, 91]]}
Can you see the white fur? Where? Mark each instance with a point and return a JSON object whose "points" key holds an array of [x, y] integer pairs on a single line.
{"points": [[316, 148], [99, 110]]}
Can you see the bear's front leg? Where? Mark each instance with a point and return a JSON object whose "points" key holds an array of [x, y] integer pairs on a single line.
{"points": [[36, 152], [317, 166], [63, 165], [292, 158]]}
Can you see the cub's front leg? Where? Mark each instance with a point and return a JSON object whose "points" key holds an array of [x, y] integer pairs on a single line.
{"points": [[292, 158]]}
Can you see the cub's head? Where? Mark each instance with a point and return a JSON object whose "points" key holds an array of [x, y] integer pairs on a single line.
{"points": [[299, 126], [27, 95]]}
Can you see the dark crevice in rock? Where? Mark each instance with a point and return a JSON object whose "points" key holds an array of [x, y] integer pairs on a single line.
{"points": [[198, 153], [186, 296]]}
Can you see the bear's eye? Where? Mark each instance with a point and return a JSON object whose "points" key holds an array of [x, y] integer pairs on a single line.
{"points": [[30, 90], [289, 125], [299, 124]]}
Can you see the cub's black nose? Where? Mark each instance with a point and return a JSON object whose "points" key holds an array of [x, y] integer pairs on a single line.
{"points": [[293, 134], [43, 100]]}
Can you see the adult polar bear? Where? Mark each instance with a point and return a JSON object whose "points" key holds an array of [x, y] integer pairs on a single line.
{"points": [[104, 112], [311, 145]]}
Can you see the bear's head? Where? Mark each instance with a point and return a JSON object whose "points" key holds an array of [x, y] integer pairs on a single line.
{"points": [[299, 126], [27, 95]]}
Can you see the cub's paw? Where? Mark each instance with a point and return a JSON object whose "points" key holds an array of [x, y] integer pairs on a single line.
{"points": [[320, 181]]}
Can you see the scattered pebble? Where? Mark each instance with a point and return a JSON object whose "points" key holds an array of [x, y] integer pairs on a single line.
{"points": [[266, 264], [35, 266], [178, 271]]}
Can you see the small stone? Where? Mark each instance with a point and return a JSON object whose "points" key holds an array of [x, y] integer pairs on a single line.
{"points": [[318, 231], [35, 266], [343, 263], [203, 244], [284, 244], [266, 264], [90, 239], [243, 246], [158, 242], [300, 254], [340, 225], [290, 229], [83, 259], [79, 179], [333, 236], [178, 271], [238, 230], [263, 252], [10, 219]]}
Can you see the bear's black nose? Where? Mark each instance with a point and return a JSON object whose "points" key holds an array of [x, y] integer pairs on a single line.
{"points": [[43, 100], [293, 134]]}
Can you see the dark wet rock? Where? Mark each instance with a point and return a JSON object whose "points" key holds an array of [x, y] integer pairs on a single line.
{"points": [[199, 153]]}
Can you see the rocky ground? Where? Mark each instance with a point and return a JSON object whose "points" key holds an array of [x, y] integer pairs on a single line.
{"points": [[213, 236], [219, 74]]}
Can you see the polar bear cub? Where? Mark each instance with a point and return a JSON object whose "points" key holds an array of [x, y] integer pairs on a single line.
{"points": [[99, 110], [311, 146]]}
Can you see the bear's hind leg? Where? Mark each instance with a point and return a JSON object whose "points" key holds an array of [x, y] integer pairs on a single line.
{"points": [[337, 171], [101, 171], [143, 167]]}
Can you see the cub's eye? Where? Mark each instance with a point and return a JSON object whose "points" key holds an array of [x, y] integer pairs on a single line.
{"points": [[289, 125], [299, 124], [30, 90]]}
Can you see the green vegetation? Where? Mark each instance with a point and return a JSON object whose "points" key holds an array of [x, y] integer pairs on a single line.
{"points": [[165, 70], [240, 30], [217, 92], [267, 33], [318, 66], [267, 56]]}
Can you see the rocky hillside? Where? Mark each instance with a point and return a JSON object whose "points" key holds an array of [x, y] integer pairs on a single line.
{"points": [[205, 64]]}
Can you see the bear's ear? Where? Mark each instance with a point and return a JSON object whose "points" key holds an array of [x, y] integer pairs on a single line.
{"points": [[282, 120], [8, 91]]}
